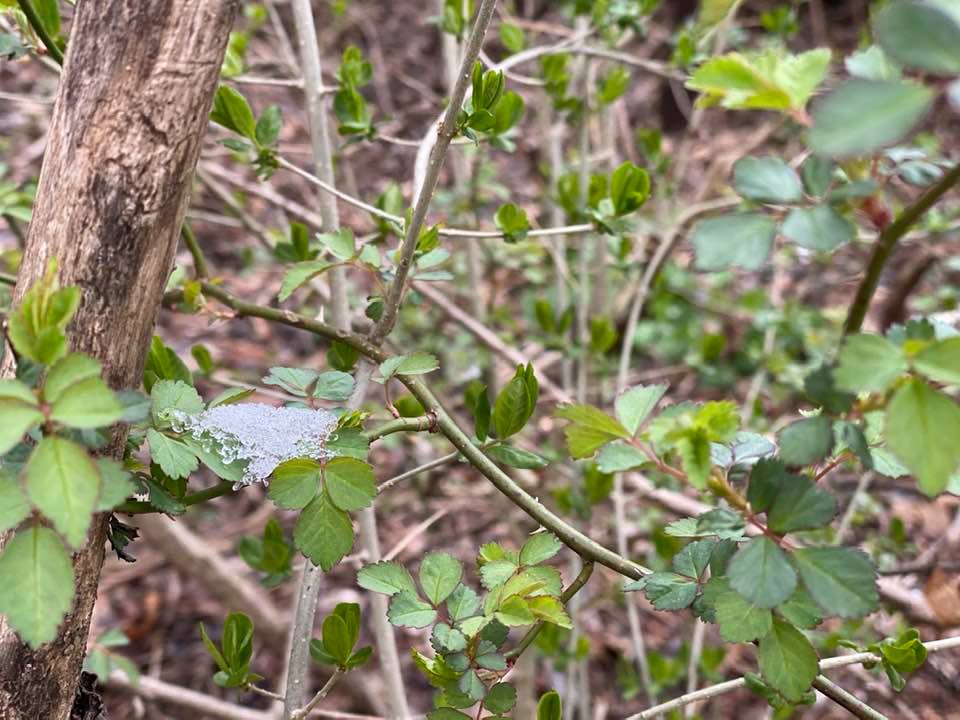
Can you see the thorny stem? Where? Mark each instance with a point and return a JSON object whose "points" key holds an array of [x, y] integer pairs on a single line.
{"points": [[425, 193], [200, 267], [849, 702], [40, 29], [578, 582], [885, 244], [587, 548], [731, 685]]}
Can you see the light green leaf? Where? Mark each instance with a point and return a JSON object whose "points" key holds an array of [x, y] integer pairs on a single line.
{"points": [[551, 610], [539, 548], [333, 385], [767, 180], [634, 405], [841, 580], [87, 404], [386, 577], [296, 381], [619, 457], [294, 483], [920, 35], [501, 698], [550, 706], [788, 661], [818, 228], [18, 418], [414, 364], [868, 363], [37, 590], [761, 574], [516, 457], [175, 458], [116, 484], [349, 483], [801, 610], [514, 405], [341, 243], [14, 507], [940, 361], [873, 64], [918, 421], [440, 575], [170, 395], [67, 371], [462, 603], [323, 532], [865, 115], [63, 483], [741, 239], [299, 275], [666, 590], [232, 111], [515, 611], [806, 441], [590, 429], [408, 610], [446, 639], [269, 125]]}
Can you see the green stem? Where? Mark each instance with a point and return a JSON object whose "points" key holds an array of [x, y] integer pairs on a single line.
{"points": [[585, 547], [423, 423], [578, 582], [200, 267], [10, 280], [142, 507], [846, 700], [887, 241], [38, 27]]}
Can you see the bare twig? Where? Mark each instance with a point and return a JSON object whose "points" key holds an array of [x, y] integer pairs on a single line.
{"points": [[846, 700]]}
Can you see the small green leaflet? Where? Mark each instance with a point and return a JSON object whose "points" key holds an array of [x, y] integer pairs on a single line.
{"points": [[740, 239], [589, 430], [408, 610], [414, 364], [636, 404], [440, 575], [539, 548], [14, 506], [294, 483], [819, 228], [37, 590], [349, 483], [741, 620], [767, 180], [787, 660], [869, 363], [63, 483], [841, 580], [761, 573], [300, 274], [174, 457], [940, 361], [323, 532], [806, 441], [388, 578]]}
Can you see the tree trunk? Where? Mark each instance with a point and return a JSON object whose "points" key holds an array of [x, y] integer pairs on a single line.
{"points": [[124, 138]]}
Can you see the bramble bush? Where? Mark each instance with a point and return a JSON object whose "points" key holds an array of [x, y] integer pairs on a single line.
{"points": [[764, 562]]}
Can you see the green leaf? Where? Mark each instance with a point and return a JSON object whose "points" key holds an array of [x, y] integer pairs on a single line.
{"points": [[63, 483], [446, 639], [18, 418], [788, 661], [550, 706], [636, 404], [841, 580], [800, 505], [819, 228], [349, 483], [517, 458], [462, 603], [761, 574], [37, 590], [163, 364], [766, 479], [48, 11], [551, 610], [116, 484], [666, 590], [740, 620], [817, 173], [341, 244], [408, 610], [865, 115], [918, 419], [514, 404], [174, 457], [514, 611], [539, 548], [296, 381], [269, 125], [940, 361], [36, 327], [294, 483], [478, 402], [299, 275], [14, 507], [237, 641], [590, 428], [323, 532], [87, 404], [386, 577], [767, 180], [613, 85], [232, 111], [741, 239], [333, 385], [414, 364], [170, 395], [512, 221], [440, 574], [629, 188], [920, 35], [500, 698], [869, 363], [336, 639], [806, 441], [619, 457], [68, 371], [801, 610]]}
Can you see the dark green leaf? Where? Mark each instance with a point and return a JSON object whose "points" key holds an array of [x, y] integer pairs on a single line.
{"points": [[761, 574]]}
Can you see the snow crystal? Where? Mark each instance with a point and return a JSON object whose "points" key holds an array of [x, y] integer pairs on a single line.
{"points": [[262, 435]]}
